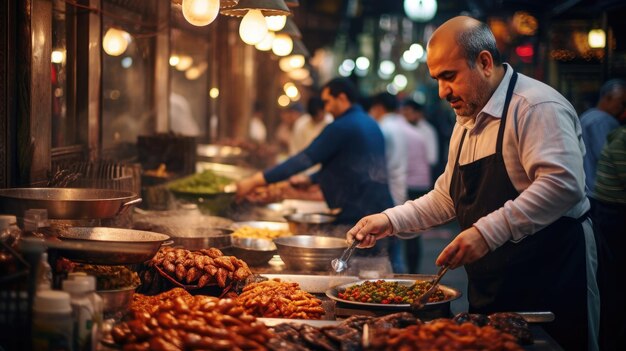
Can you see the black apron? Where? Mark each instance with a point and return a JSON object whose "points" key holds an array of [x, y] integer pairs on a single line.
{"points": [[543, 272]]}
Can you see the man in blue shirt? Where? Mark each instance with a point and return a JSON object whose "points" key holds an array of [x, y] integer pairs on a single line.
{"points": [[598, 122], [351, 150]]}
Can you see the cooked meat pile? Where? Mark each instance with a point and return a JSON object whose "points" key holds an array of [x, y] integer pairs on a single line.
{"points": [[195, 323], [403, 331], [150, 304], [277, 299], [198, 268]]}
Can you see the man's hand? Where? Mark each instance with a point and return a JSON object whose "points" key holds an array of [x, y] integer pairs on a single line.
{"points": [[369, 229], [246, 185], [300, 181], [466, 248]]}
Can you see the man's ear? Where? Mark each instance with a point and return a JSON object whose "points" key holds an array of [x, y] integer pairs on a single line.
{"points": [[485, 62]]}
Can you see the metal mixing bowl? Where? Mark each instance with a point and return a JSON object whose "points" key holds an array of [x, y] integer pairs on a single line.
{"points": [[116, 303], [310, 223], [309, 252], [254, 251]]}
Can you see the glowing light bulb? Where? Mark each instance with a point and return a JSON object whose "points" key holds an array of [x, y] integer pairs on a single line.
{"points": [[57, 56], [266, 43], [184, 62], [174, 60], [214, 93], [291, 62], [596, 39], [420, 10], [276, 23], [253, 27], [283, 100], [282, 45], [200, 12], [115, 41]]}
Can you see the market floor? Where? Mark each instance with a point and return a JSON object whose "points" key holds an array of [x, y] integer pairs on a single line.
{"points": [[434, 241]]}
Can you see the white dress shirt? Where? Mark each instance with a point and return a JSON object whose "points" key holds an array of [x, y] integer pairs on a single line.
{"points": [[430, 137], [396, 156], [543, 154]]}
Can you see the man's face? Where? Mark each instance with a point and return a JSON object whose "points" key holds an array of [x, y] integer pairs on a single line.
{"points": [[411, 115], [466, 89], [331, 103], [616, 104]]}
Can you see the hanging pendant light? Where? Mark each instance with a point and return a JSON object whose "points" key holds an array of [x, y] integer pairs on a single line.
{"points": [[253, 27], [200, 12], [115, 41], [596, 38], [420, 10], [282, 45], [266, 43], [276, 23], [223, 3], [267, 7]]}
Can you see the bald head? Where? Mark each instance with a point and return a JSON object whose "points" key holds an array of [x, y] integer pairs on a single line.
{"points": [[470, 36]]}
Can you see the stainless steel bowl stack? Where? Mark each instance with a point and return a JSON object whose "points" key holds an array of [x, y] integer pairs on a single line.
{"points": [[309, 252]]}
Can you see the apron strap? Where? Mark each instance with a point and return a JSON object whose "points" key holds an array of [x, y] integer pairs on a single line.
{"points": [[505, 111]]}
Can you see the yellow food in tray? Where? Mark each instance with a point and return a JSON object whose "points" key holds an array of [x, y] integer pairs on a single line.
{"points": [[259, 233]]}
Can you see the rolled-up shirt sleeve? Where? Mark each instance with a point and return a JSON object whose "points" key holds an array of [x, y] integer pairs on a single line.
{"points": [[550, 153]]}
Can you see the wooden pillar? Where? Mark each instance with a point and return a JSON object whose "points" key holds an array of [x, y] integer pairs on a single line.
{"points": [[33, 90], [7, 96], [162, 69]]}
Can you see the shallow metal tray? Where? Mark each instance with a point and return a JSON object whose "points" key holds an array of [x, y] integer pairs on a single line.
{"points": [[451, 295]]}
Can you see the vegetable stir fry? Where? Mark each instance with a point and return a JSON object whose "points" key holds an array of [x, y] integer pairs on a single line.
{"points": [[206, 182], [384, 292]]}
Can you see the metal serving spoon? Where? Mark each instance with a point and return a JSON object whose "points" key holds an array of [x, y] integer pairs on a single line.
{"points": [[340, 264]]}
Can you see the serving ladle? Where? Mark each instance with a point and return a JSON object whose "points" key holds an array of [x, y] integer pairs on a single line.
{"points": [[341, 264]]}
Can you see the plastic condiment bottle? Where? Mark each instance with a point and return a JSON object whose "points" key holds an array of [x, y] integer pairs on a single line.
{"points": [[96, 301], [44, 273], [82, 311], [53, 326]]}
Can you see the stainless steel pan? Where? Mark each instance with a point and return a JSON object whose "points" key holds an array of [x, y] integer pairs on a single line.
{"points": [[67, 203], [99, 245]]}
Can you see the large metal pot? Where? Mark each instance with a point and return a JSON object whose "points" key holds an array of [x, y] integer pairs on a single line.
{"points": [[67, 203], [108, 246]]}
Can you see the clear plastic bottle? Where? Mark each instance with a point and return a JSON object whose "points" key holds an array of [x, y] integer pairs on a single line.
{"points": [[96, 301], [53, 326], [44, 273], [82, 311]]}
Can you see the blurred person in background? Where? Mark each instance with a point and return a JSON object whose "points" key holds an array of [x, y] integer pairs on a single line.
{"points": [[609, 219], [383, 108], [256, 129], [414, 114], [515, 182], [284, 132], [598, 122], [181, 117], [351, 151], [308, 126]]}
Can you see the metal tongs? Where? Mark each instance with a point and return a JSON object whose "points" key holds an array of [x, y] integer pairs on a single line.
{"points": [[421, 301], [340, 264]]}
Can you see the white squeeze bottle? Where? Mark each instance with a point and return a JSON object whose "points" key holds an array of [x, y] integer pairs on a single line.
{"points": [[53, 326], [83, 311], [96, 301]]}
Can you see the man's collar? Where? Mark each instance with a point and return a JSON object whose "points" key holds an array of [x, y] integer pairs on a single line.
{"points": [[495, 105]]}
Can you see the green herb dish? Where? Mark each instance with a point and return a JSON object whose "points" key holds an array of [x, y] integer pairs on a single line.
{"points": [[212, 193]]}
